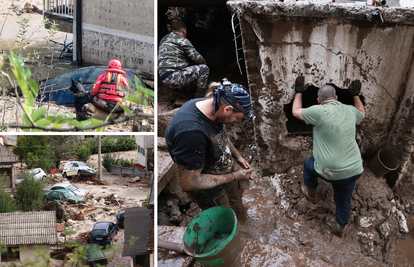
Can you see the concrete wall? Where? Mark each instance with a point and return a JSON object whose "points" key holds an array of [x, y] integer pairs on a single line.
{"points": [[27, 253], [119, 29], [327, 44]]}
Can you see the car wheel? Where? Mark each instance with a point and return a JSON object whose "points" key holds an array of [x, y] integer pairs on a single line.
{"points": [[43, 178], [64, 175], [78, 175]]}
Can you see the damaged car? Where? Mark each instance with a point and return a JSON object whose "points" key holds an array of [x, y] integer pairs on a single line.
{"points": [[37, 173], [65, 195], [77, 169], [103, 232], [76, 190]]}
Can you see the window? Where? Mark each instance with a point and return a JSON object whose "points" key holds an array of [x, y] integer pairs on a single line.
{"points": [[10, 254], [141, 150]]}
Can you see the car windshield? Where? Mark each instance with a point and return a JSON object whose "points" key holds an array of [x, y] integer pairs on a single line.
{"points": [[95, 254], [99, 232], [36, 171], [71, 188], [84, 165], [69, 194]]}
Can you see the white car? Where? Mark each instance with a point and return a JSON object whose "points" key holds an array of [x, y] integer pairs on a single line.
{"points": [[37, 173], [77, 191], [78, 169]]}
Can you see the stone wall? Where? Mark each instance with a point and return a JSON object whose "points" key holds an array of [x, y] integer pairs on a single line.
{"points": [[119, 29], [328, 44]]}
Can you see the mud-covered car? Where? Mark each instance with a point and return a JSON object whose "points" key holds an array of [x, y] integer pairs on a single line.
{"points": [[120, 219], [103, 232], [95, 255], [77, 169], [76, 190], [65, 195]]}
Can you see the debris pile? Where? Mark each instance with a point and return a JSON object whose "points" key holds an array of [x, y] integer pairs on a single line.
{"points": [[377, 220]]}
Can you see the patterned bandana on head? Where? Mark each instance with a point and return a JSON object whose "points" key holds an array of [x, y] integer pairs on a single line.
{"points": [[235, 95]]}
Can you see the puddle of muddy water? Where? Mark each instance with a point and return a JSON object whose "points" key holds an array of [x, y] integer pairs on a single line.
{"points": [[404, 253]]}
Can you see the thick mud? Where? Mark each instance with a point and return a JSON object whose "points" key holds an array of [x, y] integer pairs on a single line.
{"points": [[278, 214]]}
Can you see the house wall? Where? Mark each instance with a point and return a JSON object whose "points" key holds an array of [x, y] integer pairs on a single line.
{"points": [[146, 142], [27, 253], [119, 29], [328, 44]]}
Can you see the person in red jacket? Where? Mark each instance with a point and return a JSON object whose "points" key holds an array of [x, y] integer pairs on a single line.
{"points": [[107, 90]]}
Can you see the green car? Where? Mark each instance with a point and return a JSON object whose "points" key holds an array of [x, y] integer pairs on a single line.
{"points": [[95, 255], [63, 194]]}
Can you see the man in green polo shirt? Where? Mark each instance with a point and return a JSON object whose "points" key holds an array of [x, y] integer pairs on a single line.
{"points": [[336, 156]]}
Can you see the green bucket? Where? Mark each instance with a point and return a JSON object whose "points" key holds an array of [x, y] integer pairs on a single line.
{"points": [[212, 237]]}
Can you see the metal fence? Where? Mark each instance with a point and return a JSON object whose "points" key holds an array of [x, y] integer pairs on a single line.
{"points": [[132, 172], [58, 7]]}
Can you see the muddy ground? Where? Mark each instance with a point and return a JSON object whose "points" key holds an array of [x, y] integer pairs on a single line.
{"points": [[130, 192], [279, 214]]}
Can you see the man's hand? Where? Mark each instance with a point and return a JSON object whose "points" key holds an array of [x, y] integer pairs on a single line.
{"points": [[355, 88], [300, 84], [243, 163], [243, 174]]}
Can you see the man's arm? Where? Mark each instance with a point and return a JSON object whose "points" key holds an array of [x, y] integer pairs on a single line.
{"points": [[97, 85], [297, 101], [358, 105], [194, 180], [355, 88], [192, 53], [238, 157]]}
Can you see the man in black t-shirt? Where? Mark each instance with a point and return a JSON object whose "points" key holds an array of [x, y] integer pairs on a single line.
{"points": [[197, 141]]}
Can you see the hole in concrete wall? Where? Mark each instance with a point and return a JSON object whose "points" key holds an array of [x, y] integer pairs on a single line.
{"points": [[309, 98], [209, 30]]}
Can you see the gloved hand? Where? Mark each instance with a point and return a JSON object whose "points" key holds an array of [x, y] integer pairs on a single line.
{"points": [[300, 84], [355, 88], [243, 174]]}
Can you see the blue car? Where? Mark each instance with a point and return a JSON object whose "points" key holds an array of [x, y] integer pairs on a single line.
{"points": [[103, 232]]}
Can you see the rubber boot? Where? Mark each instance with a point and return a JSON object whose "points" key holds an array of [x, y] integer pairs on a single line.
{"points": [[309, 194]]}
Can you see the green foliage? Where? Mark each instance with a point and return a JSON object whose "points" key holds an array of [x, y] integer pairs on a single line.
{"points": [[82, 152], [21, 35], [107, 145], [61, 146], [146, 202], [53, 29], [125, 143], [92, 143], [39, 160], [7, 203], [35, 151], [29, 193], [109, 159]]}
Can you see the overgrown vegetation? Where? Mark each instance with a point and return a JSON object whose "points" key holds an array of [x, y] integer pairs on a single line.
{"points": [[7, 203], [29, 193], [109, 159], [34, 151], [82, 152]]}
